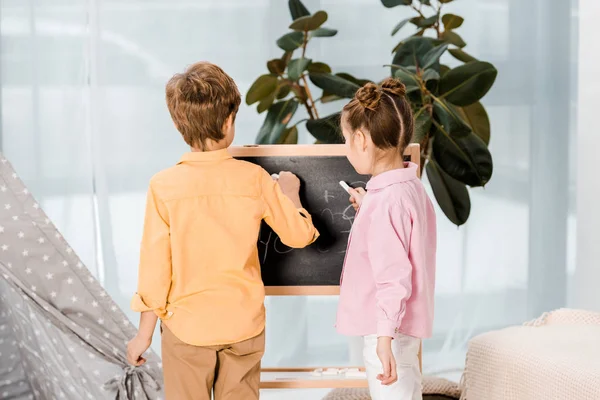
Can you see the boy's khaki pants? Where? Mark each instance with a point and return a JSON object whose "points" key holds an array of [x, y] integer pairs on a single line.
{"points": [[192, 372]]}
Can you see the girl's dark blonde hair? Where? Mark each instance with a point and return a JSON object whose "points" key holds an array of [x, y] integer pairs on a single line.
{"points": [[384, 112]]}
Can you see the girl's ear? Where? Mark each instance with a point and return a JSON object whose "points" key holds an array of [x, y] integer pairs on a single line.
{"points": [[361, 140]]}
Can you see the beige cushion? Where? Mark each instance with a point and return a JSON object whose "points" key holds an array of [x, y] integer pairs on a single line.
{"points": [[554, 357]]}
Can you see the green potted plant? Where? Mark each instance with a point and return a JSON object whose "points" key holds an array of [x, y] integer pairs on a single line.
{"points": [[452, 126], [285, 87]]}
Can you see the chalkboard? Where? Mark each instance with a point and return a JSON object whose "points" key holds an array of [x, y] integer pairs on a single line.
{"points": [[320, 168]]}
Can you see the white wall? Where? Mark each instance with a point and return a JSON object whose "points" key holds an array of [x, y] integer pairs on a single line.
{"points": [[584, 292]]}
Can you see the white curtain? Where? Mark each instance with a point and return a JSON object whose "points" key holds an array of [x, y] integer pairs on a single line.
{"points": [[85, 124]]}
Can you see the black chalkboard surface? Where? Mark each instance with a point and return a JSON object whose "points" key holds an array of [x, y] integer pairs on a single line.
{"points": [[327, 202], [320, 169]]}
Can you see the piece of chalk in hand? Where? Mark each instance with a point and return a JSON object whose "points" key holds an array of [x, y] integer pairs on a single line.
{"points": [[345, 186], [275, 176]]}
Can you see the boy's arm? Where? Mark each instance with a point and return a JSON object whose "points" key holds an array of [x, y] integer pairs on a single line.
{"points": [[292, 223], [154, 276], [388, 238]]}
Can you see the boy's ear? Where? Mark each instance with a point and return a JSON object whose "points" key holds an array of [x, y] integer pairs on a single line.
{"points": [[228, 123]]}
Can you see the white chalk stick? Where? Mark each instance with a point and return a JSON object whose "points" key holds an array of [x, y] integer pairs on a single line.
{"points": [[275, 176], [345, 186], [331, 371]]}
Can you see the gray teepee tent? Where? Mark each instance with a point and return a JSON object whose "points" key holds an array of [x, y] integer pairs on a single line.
{"points": [[61, 335]]}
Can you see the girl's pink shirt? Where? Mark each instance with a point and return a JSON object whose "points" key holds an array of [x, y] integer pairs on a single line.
{"points": [[388, 280]]}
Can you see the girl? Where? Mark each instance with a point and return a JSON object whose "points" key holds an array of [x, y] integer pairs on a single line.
{"points": [[388, 279]]}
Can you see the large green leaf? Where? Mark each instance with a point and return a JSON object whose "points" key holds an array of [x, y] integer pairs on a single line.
{"points": [[412, 52], [394, 3], [451, 195], [291, 41], [266, 102], [452, 21], [477, 118], [263, 86], [309, 22], [422, 22], [453, 38], [324, 32], [296, 67], [461, 55], [400, 25], [319, 67], [468, 83], [433, 55], [422, 125], [410, 81], [327, 129], [289, 136], [334, 84], [284, 90], [449, 119], [348, 77], [465, 158], [276, 66], [297, 9], [277, 118]]}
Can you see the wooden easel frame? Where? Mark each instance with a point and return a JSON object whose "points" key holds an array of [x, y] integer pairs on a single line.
{"points": [[414, 152]]}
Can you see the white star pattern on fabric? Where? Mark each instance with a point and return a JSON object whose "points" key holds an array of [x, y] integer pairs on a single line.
{"points": [[49, 276], [4, 247], [102, 294], [79, 265], [79, 314], [94, 304], [90, 279], [25, 191], [3, 188], [41, 240], [65, 263], [70, 281], [107, 335], [15, 218], [28, 271], [9, 265], [69, 250], [25, 253], [45, 258], [36, 206], [14, 175], [114, 308], [53, 295], [74, 299], [1, 229], [7, 206], [20, 235], [100, 321], [33, 288]]}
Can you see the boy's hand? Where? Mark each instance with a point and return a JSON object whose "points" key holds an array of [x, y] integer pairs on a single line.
{"points": [[135, 348], [290, 186], [388, 362], [356, 197]]}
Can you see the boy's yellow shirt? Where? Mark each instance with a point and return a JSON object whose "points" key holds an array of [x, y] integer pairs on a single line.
{"points": [[199, 269]]}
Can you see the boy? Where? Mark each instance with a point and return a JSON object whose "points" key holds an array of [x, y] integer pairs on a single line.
{"points": [[199, 270]]}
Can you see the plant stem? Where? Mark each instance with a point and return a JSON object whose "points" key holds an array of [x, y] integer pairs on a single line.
{"points": [[417, 10], [309, 96]]}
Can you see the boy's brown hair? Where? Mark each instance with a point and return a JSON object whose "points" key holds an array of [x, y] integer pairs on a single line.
{"points": [[200, 100], [384, 111]]}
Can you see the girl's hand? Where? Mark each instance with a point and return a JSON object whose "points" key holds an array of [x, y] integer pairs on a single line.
{"points": [[356, 197], [388, 362], [135, 348]]}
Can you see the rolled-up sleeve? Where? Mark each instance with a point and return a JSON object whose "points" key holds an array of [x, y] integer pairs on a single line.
{"points": [[154, 276], [293, 226], [388, 244]]}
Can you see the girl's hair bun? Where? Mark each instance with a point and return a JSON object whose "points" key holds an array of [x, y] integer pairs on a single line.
{"points": [[393, 86], [368, 96]]}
